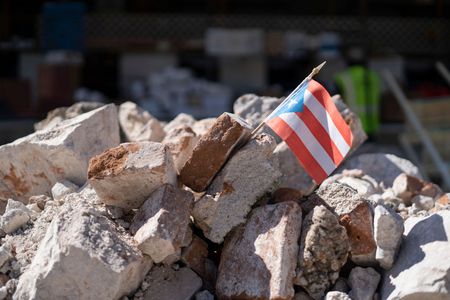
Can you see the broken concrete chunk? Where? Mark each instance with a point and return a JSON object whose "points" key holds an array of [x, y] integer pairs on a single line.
{"points": [[181, 141], [232, 193], [265, 247], [204, 295], [139, 125], [56, 116], [422, 266], [168, 284], [213, 150], [5, 254], [335, 295], [406, 187], [294, 176], [201, 127], [60, 189], [355, 214], [323, 251], [363, 283], [423, 202], [33, 164], [126, 175], [84, 256], [162, 223], [181, 119], [384, 168], [16, 215], [388, 231]]}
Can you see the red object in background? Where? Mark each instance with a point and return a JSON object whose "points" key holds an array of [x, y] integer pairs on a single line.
{"points": [[430, 90], [56, 85], [15, 97]]}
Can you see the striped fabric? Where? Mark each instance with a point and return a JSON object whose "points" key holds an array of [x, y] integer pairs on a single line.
{"points": [[312, 127]]}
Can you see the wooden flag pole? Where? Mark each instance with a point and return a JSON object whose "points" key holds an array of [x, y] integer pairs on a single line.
{"points": [[309, 77]]}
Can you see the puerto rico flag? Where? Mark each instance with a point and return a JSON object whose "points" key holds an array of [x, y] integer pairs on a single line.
{"points": [[312, 127]]}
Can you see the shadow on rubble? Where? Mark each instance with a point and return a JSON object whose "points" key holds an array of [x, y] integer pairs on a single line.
{"points": [[426, 231]]}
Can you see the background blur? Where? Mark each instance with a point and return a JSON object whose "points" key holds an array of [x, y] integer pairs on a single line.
{"points": [[198, 56]]}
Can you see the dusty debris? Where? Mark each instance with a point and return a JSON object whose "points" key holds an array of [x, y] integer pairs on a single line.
{"points": [[94, 231]]}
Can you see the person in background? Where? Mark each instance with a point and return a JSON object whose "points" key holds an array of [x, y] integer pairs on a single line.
{"points": [[360, 88]]}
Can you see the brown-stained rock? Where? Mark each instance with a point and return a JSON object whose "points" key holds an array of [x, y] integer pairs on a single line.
{"points": [[249, 174], [323, 251], [258, 260], [359, 225], [213, 150], [355, 214], [161, 224], [126, 175], [287, 194], [181, 141], [195, 254]]}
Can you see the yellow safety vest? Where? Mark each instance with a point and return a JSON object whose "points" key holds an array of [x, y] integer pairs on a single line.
{"points": [[360, 88]]}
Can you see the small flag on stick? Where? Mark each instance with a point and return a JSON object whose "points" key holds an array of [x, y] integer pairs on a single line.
{"points": [[310, 124]]}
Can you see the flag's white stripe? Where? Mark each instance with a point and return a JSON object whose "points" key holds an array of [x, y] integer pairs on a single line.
{"points": [[310, 141], [325, 119]]}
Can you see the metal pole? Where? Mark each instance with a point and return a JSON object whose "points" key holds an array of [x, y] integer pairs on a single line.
{"points": [[423, 135], [444, 71]]}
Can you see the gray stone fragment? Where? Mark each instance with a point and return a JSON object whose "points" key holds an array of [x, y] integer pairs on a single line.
{"points": [[265, 247], [363, 283], [5, 254], [204, 295], [323, 251], [340, 285], [56, 116], [168, 284], [65, 187], [33, 164], [384, 168], [255, 109], [16, 215], [139, 125], [83, 256], [422, 268], [162, 223], [388, 231], [423, 202], [335, 295], [234, 190], [181, 119]]}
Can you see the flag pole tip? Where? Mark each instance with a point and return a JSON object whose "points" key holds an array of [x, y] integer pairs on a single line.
{"points": [[317, 69]]}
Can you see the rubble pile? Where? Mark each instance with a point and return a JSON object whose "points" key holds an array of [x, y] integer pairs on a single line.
{"points": [[111, 203]]}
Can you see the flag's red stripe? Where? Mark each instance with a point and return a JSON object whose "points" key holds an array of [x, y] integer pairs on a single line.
{"points": [[300, 151], [321, 94], [320, 134]]}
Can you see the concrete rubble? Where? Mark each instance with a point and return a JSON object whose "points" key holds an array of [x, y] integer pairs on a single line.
{"points": [[160, 226], [232, 193], [323, 251], [212, 151], [126, 175], [138, 125], [265, 247], [202, 210], [33, 164]]}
